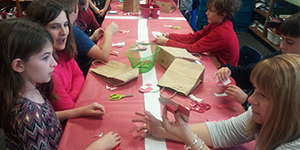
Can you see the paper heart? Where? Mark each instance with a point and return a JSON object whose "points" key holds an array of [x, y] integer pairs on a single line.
{"points": [[224, 84]]}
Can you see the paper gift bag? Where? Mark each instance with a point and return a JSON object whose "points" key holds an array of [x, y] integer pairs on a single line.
{"points": [[131, 5], [165, 7], [182, 76], [116, 73], [167, 54]]}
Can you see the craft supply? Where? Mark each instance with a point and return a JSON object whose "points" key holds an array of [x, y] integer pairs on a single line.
{"points": [[112, 12], [114, 53], [148, 88], [99, 135], [223, 85], [156, 34], [144, 64], [194, 98], [174, 27], [110, 88], [139, 48], [173, 107], [117, 96], [123, 31], [199, 107], [120, 44]]}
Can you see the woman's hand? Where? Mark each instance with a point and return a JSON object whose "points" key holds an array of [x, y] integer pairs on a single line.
{"points": [[178, 128], [108, 141], [223, 73], [236, 93], [152, 126], [162, 40]]}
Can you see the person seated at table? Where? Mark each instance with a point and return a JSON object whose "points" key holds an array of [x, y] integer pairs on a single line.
{"points": [[290, 34], [67, 77], [86, 19], [273, 119], [218, 37], [87, 49], [26, 63], [100, 8]]}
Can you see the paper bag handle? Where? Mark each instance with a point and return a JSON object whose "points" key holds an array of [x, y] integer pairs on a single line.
{"points": [[93, 63], [166, 97]]}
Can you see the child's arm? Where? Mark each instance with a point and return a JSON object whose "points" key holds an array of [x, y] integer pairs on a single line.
{"points": [[108, 141], [101, 51], [94, 109]]}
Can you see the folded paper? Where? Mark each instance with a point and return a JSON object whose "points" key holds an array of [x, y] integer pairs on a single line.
{"points": [[173, 107]]}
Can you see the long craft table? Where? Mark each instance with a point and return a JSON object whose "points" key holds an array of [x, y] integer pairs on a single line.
{"points": [[80, 132]]}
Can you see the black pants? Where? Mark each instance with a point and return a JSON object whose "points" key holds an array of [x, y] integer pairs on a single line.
{"points": [[100, 5]]}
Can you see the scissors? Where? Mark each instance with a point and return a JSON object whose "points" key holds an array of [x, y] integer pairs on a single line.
{"points": [[199, 107], [117, 96]]}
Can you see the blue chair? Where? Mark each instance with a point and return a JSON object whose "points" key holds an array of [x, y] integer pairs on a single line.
{"points": [[249, 55]]}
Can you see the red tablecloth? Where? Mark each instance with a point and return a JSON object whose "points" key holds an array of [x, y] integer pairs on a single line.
{"points": [[79, 132]]}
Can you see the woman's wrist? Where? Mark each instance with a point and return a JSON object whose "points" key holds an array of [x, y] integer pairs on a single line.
{"points": [[191, 143]]}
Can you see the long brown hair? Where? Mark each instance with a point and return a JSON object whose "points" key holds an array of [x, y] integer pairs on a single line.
{"points": [[19, 38], [43, 12], [278, 78]]}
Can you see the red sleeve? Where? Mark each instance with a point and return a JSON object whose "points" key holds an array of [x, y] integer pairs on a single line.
{"points": [[205, 40], [68, 81]]}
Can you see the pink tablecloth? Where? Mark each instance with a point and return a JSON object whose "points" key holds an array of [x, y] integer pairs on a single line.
{"points": [[79, 132]]}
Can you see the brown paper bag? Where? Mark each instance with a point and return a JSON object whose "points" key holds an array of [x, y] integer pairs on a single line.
{"points": [[131, 5], [167, 54], [116, 73], [182, 76], [166, 7]]}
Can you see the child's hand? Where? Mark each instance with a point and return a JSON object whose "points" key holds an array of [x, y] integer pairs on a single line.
{"points": [[161, 40], [112, 28], [236, 93], [98, 34], [94, 109], [223, 73], [107, 142], [102, 12], [166, 35]]}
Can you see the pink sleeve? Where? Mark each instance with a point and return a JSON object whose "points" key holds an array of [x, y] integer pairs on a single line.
{"points": [[68, 81], [77, 80]]}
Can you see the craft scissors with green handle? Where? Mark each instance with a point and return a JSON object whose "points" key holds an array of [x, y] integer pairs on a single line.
{"points": [[117, 96]]}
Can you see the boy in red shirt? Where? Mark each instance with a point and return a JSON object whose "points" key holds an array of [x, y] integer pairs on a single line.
{"points": [[86, 19], [218, 37]]}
